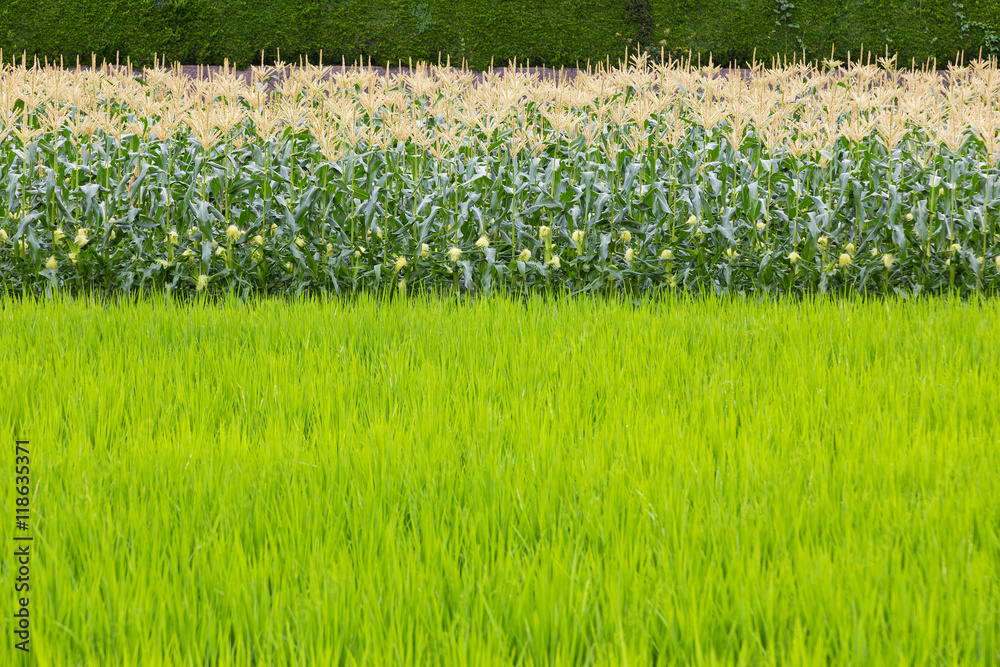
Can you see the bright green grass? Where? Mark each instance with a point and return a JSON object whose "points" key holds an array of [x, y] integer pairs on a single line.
{"points": [[569, 482]]}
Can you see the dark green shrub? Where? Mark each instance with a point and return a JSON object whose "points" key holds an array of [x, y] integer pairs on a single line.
{"points": [[554, 33]]}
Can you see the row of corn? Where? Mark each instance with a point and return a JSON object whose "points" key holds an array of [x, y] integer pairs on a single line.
{"points": [[860, 180]]}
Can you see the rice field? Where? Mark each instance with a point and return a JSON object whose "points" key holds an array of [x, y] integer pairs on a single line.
{"points": [[500, 481], [856, 178]]}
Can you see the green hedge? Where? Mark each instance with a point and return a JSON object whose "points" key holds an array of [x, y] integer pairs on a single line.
{"points": [[554, 32], [913, 31], [207, 31]]}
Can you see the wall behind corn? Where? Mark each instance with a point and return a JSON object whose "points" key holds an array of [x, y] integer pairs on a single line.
{"points": [[207, 31], [550, 32], [913, 30]]}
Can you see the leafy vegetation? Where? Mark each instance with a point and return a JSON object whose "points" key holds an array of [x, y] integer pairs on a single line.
{"points": [[866, 180], [583, 481]]}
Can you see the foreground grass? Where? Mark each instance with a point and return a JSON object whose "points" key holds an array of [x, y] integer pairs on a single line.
{"points": [[569, 482]]}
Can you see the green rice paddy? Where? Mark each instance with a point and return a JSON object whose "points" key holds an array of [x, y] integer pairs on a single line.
{"points": [[580, 481]]}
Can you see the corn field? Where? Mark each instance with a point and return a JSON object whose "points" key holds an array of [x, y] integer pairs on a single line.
{"points": [[864, 179]]}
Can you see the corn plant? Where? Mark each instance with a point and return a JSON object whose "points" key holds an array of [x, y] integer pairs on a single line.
{"points": [[865, 179]]}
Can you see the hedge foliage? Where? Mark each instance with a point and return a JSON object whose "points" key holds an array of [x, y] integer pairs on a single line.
{"points": [[913, 31], [552, 32]]}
